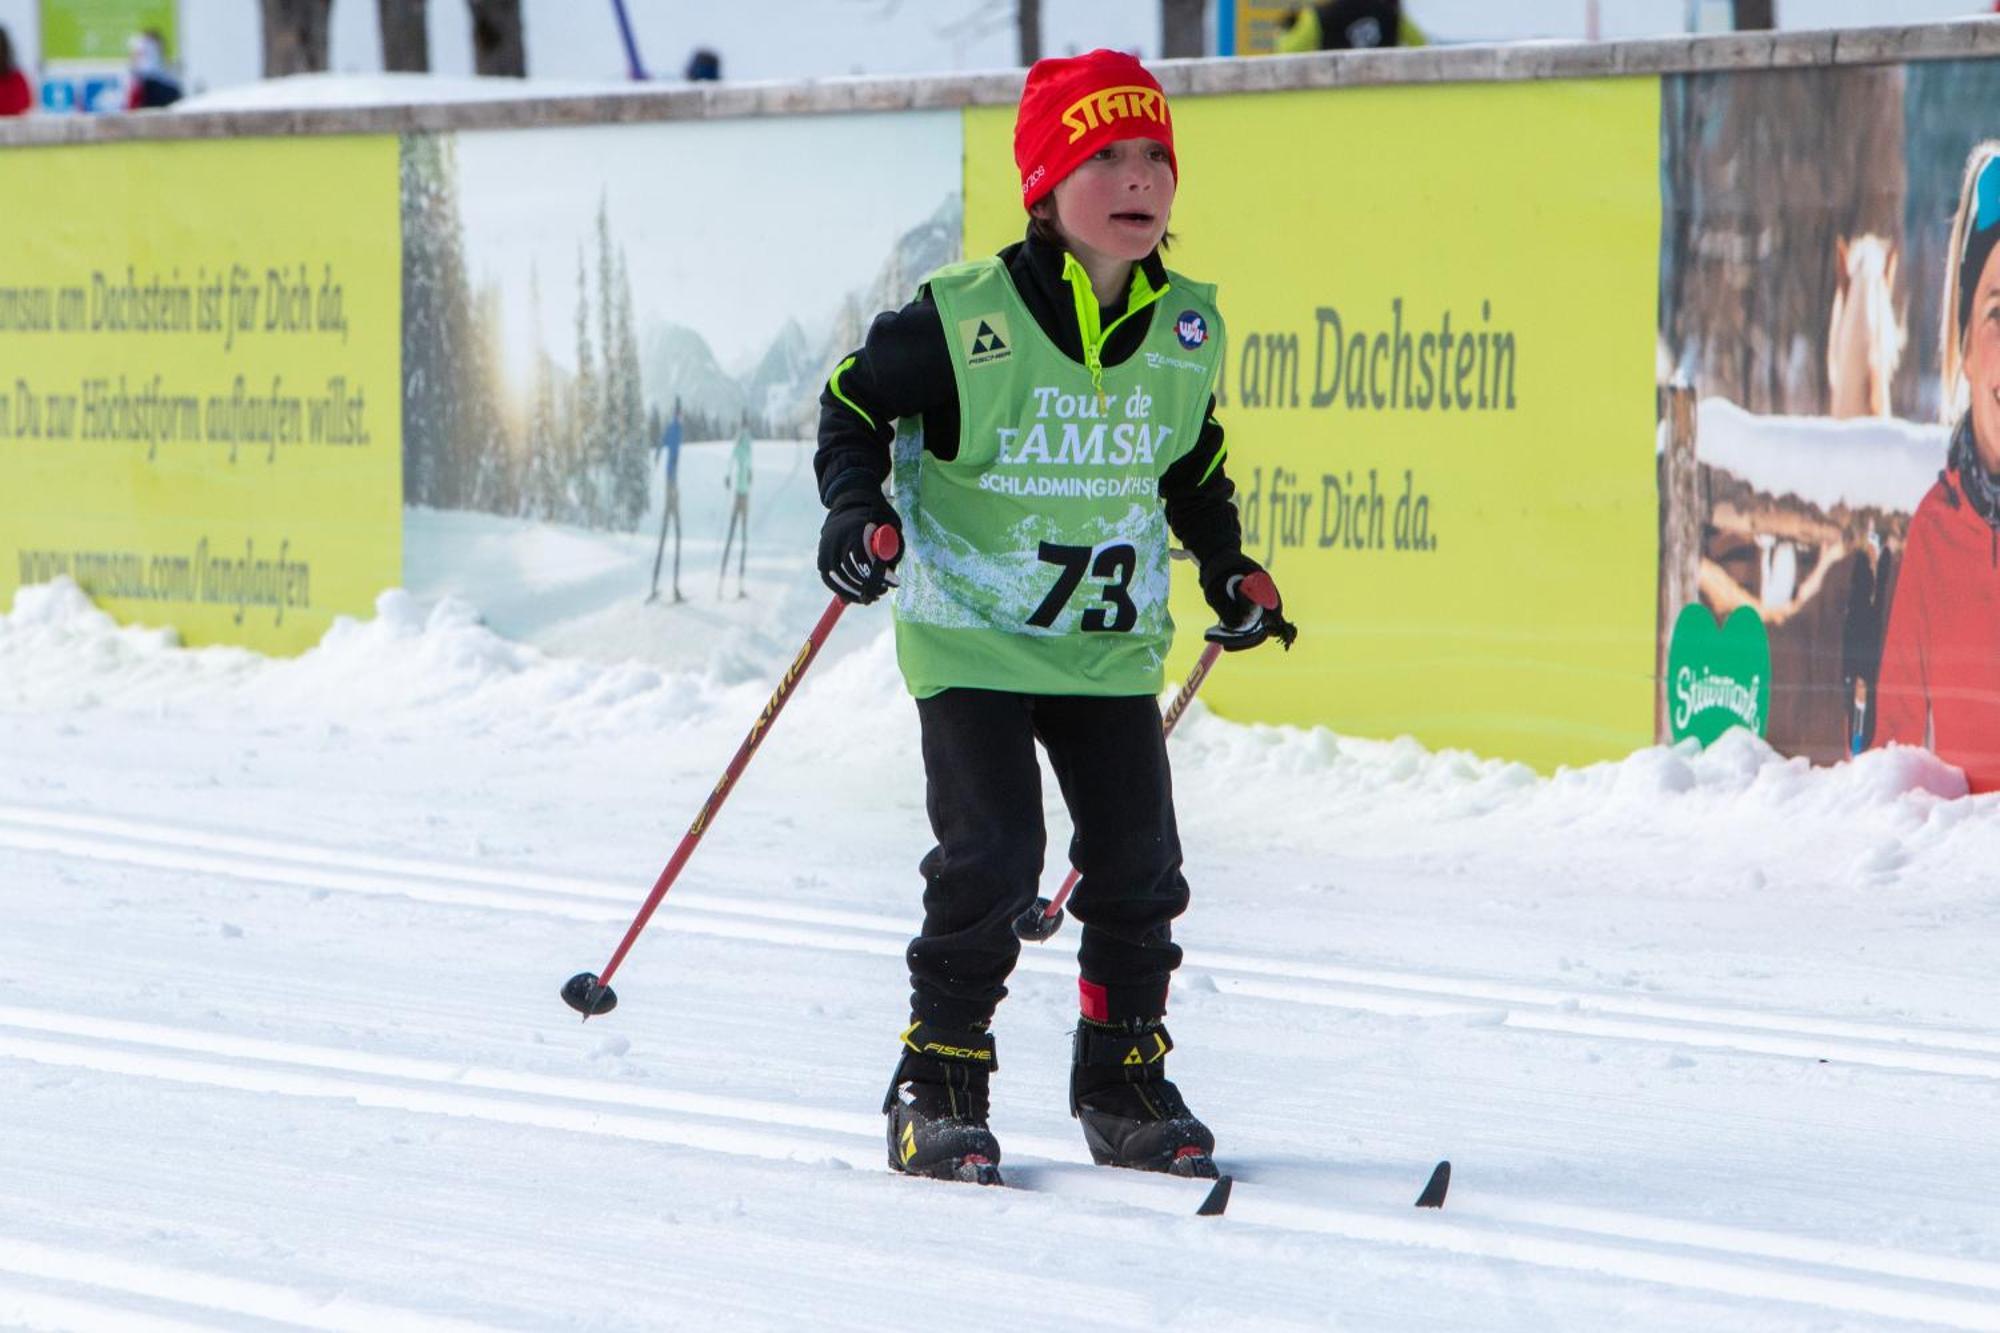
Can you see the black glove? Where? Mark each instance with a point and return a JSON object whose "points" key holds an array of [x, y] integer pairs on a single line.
{"points": [[1242, 621], [846, 565]]}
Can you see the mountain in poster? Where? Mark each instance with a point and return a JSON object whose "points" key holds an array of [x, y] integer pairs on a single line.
{"points": [[787, 380], [679, 365], [780, 393]]}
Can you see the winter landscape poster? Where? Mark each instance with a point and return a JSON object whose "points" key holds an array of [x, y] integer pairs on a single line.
{"points": [[572, 295]]}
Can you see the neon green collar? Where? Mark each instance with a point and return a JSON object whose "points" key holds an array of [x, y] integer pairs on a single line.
{"points": [[1089, 314]]}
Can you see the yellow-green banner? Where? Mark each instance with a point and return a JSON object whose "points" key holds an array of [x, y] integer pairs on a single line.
{"points": [[97, 30], [1439, 397], [200, 408]]}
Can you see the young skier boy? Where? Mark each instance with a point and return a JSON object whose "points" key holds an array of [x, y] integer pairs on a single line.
{"points": [[1057, 406]]}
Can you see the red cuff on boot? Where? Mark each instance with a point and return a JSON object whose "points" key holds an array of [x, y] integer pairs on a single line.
{"points": [[1118, 1004]]}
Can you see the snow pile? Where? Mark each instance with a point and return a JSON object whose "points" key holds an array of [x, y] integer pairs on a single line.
{"points": [[1886, 815], [409, 668], [441, 666], [306, 91], [435, 668], [1739, 772], [57, 650]]}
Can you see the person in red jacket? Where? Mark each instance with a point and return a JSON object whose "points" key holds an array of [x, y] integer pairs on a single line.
{"points": [[1940, 681], [16, 98]]}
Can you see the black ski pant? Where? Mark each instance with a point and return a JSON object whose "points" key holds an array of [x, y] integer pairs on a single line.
{"points": [[985, 802]]}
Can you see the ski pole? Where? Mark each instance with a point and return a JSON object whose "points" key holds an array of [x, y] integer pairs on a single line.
{"points": [[590, 992], [1045, 917]]}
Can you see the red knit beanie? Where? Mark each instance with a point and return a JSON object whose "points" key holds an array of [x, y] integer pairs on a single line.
{"points": [[1074, 105]]}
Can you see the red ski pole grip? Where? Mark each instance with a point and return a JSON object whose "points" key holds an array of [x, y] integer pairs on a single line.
{"points": [[1259, 589], [885, 542]]}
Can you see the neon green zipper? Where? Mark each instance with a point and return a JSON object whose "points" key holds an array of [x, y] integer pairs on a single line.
{"points": [[1089, 313]]}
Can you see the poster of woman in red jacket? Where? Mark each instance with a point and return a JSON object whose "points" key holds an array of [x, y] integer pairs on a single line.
{"points": [[1940, 675], [1829, 388]]}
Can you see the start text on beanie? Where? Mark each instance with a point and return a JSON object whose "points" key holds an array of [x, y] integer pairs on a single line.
{"points": [[1072, 106]]}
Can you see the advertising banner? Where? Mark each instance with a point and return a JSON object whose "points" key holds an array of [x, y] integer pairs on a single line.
{"points": [[1830, 351], [199, 413], [1440, 306], [1248, 28]]}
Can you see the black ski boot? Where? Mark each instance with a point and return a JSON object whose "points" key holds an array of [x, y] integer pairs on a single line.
{"points": [[938, 1129], [1131, 1114]]}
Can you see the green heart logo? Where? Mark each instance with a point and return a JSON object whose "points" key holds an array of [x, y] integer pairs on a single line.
{"points": [[1717, 678]]}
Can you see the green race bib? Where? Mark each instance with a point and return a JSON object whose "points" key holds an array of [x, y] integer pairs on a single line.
{"points": [[1038, 556]]}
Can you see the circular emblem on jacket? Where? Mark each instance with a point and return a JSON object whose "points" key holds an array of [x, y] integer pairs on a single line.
{"points": [[1191, 329]]}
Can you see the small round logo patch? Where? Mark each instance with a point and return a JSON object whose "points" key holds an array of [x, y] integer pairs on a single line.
{"points": [[1191, 329]]}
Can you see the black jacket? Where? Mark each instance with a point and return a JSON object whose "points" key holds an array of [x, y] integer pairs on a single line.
{"points": [[1356, 25], [904, 369]]}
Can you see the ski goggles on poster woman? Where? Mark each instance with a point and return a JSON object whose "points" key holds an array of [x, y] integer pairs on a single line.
{"points": [[1982, 230]]}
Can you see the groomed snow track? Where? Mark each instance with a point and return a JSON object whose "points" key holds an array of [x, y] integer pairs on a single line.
{"points": [[55, 1285]]}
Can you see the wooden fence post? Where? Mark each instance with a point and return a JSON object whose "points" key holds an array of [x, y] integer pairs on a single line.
{"points": [[1683, 516]]}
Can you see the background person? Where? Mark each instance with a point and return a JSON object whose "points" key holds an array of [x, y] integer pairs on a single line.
{"points": [[1940, 675], [153, 86], [669, 448], [1349, 25], [737, 480], [17, 98]]}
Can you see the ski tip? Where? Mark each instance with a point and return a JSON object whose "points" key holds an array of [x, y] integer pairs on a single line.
{"points": [[587, 995], [976, 1170], [1218, 1198], [1434, 1190], [1192, 1162]]}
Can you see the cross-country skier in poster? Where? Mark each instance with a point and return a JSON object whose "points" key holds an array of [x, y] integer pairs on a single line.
{"points": [[1056, 404], [669, 449], [737, 482]]}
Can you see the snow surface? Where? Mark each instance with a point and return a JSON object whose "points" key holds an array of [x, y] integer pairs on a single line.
{"points": [[316, 91], [1709, 1037]]}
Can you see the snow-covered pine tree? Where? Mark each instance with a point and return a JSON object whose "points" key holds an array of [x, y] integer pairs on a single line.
{"points": [[611, 426], [584, 430], [484, 427], [634, 457], [429, 235], [542, 490]]}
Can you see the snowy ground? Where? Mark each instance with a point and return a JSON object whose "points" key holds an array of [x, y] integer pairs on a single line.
{"points": [[1710, 1040]]}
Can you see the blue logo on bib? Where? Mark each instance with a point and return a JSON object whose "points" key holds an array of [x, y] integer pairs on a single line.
{"points": [[1191, 329]]}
